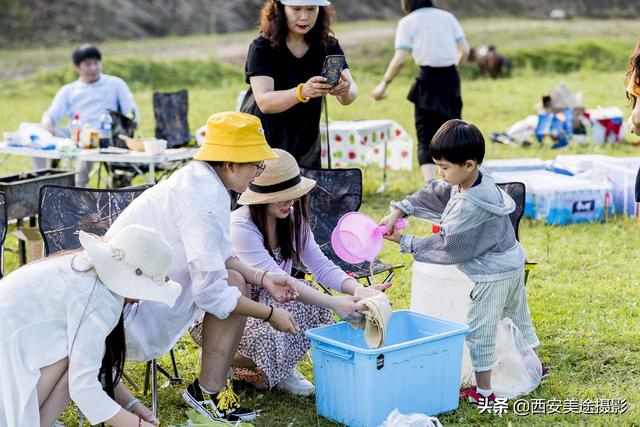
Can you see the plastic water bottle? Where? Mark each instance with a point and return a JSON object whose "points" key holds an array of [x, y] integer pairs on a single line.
{"points": [[105, 130], [75, 128]]}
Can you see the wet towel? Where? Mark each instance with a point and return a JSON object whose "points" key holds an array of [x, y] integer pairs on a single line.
{"points": [[376, 316]]}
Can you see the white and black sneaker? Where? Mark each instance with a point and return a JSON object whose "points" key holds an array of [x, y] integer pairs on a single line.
{"points": [[221, 406]]}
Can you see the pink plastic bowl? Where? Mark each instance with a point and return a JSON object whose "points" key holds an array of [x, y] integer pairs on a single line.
{"points": [[358, 238]]}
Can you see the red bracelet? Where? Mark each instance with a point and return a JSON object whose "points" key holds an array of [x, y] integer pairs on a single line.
{"points": [[264, 273]]}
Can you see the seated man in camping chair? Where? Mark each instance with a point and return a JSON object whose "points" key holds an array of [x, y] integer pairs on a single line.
{"points": [[89, 97]]}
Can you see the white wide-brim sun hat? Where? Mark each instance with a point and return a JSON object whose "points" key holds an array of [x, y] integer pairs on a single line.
{"points": [[305, 2], [133, 264]]}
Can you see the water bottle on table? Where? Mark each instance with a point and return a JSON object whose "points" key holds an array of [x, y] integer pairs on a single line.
{"points": [[105, 130]]}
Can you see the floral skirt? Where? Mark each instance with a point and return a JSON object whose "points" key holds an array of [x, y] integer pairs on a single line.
{"points": [[274, 353]]}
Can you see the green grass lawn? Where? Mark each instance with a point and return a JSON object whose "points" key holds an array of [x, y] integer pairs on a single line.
{"points": [[584, 293]]}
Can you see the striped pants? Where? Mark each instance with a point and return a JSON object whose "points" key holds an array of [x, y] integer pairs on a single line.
{"points": [[490, 302]]}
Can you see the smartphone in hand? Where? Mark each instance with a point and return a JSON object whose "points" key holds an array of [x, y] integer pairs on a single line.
{"points": [[332, 68]]}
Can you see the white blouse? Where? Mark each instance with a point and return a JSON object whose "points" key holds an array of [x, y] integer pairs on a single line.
{"points": [[191, 210], [49, 312]]}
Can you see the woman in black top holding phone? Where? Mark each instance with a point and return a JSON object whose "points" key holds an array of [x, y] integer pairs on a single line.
{"points": [[284, 67]]}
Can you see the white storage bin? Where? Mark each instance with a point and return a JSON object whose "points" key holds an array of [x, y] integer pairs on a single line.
{"points": [[561, 199]]}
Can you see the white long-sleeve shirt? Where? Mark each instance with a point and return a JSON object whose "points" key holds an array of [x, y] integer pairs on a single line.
{"points": [[49, 312], [191, 210]]}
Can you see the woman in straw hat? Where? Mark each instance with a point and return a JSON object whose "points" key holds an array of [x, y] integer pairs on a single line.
{"points": [[271, 232], [61, 326], [191, 210], [284, 67]]}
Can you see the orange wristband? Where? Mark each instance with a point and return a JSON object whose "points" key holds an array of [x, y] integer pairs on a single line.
{"points": [[299, 94]]}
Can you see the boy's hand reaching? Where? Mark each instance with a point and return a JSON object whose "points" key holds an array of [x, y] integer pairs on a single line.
{"points": [[390, 221], [394, 237]]}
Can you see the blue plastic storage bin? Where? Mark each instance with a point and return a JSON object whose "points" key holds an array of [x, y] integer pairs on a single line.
{"points": [[418, 369]]}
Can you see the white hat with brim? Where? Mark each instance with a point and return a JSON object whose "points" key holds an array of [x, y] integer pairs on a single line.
{"points": [[280, 181], [305, 2], [133, 264]]}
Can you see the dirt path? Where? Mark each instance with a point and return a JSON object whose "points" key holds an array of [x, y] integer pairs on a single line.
{"points": [[229, 49]]}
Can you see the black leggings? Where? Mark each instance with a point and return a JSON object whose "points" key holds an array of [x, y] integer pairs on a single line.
{"points": [[427, 124]]}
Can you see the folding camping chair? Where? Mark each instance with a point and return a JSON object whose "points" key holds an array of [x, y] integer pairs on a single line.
{"points": [[170, 110], [3, 229], [64, 211], [337, 192], [517, 191]]}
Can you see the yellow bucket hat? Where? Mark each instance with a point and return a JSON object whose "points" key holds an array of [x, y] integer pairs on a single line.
{"points": [[234, 137]]}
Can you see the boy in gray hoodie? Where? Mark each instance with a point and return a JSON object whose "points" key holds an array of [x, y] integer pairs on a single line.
{"points": [[476, 234]]}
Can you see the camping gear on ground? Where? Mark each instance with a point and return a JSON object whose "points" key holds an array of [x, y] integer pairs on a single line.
{"points": [[443, 291], [560, 199], [358, 238], [607, 124], [557, 125], [619, 171], [375, 317], [417, 370]]}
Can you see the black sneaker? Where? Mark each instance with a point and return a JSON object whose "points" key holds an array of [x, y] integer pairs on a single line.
{"points": [[221, 406]]}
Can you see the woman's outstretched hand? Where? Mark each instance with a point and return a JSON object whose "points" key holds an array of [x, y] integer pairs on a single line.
{"points": [[280, 286]]}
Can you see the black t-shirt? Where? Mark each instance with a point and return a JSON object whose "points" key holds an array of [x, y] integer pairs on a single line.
{"points": [[297, 129]]}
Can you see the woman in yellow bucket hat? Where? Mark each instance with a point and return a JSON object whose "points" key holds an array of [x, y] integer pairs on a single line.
{"points": [[271, 231], [191, 209]]}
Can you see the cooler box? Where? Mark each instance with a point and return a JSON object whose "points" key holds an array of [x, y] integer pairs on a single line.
{"points": [[623, 180], [418, 369], [560, 199], [578, 163], [23, 189]]}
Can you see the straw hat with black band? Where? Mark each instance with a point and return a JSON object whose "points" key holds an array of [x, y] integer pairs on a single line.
{"points": [[280, 181]]}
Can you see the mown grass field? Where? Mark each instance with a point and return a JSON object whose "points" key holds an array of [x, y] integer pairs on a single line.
{"points": [[584, 294]]}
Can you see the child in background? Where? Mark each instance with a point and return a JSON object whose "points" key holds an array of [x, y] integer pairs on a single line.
{"points": [[476, 235]]}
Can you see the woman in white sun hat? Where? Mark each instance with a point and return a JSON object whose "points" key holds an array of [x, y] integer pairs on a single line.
{"points": [[61, 326], [284, 67], [271, 232]]}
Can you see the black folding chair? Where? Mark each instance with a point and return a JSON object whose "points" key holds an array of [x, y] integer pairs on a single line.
{"points": [[3, 229], [171, 110], [337, 192], [518, 193], [64, 211]]}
